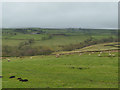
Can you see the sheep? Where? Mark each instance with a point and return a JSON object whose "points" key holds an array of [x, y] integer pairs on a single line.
{"points": [[57, 55], [8, 60], [19, 78], [99, 55], [113, 55], [100, 52], [12, 77], [23, 80], [109, 54], [30, 57]]}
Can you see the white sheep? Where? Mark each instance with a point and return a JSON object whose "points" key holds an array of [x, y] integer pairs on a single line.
{"points": [[113, 55], [99, 55], [57, 55], [8, 60]]}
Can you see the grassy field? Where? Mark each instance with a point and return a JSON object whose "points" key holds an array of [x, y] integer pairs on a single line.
{"points": [[75, 70], [67, 71], [48, 71]]}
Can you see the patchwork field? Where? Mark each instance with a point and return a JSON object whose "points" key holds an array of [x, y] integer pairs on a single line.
{"points": [[60, 58], [58, 37]]}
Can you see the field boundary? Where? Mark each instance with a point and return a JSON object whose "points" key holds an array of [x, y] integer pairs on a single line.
{"points": [[74, 52]]}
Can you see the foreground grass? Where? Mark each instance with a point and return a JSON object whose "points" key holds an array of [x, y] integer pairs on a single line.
{"points": [[49, 71]]}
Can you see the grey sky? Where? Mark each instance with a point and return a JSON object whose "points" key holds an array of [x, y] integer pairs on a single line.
{"points": [[60, 15]]}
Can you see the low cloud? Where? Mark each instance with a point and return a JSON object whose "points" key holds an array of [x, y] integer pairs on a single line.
{"points": [[60, 15]]}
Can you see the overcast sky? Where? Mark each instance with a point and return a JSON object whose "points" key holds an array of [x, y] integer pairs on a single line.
{"points": [[60, 15]]}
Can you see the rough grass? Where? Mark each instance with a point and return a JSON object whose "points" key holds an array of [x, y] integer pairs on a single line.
{"points": [[49, 71], [97, 47]]}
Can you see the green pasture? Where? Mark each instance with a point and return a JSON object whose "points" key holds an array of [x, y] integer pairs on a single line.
{"points": [[56, 41], [26, 36], [53, 42], [11, 42], [51, 72]]}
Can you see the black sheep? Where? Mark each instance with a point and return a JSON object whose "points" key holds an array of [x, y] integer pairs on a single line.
{"points": [[19, 78], [12, 77], [23, 80]]}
